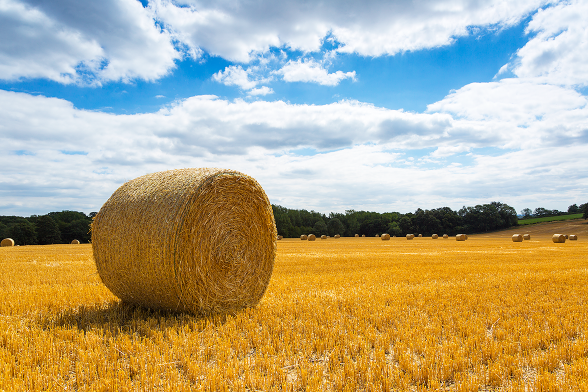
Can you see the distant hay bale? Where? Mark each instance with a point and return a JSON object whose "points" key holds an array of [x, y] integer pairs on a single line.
{"points": [[420, 235], [445, 236], [377, 235], [337, 236], [303, 237], [357, 235], [526, 236], [195, 240], [573, 237], [517, 238], [461, 237], [566, 236], [75, 242], [363, 235], [435, 236], [410, 236], [385, 237], [323, 237], [558, 238], [466, 236], [280, 237], [311, 237], [7, 242]]}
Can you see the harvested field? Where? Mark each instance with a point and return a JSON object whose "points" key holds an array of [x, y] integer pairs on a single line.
{"points": [[481, 315]]}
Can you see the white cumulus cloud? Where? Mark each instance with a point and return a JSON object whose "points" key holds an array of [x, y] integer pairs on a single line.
{"points": [[312, 72]]}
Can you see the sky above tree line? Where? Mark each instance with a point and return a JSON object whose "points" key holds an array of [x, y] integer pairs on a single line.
{"points": [[373, 105]]}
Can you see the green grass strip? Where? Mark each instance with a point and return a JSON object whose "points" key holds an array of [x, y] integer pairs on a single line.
{"points": [[548, 219]]}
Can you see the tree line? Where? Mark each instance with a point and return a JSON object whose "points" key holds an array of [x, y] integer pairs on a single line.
{"points": [[293, 223], [54, 228], [541, 212]]}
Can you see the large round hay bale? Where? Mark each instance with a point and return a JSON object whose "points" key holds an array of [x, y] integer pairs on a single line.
{"points": [[445, 236], [558, 238], [75, 242], [7, 242], [311, 237], [303, 237], [435, 236], [196, 240], [410, 236], [337, 236], [573, 237], [357, 235], [517, 238], [323, 237], [526, 236], [461, 237], [385, 237]]}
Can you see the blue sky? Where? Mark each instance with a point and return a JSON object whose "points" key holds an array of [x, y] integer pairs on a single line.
{"points": [[384, 106]]}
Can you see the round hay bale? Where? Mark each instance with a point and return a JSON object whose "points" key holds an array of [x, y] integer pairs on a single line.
{"points": [[385, 237], [323, 237], [461, 237], [7, 242], [311, 237], [517, 238], [377, 235], [280, 237], [466, 236], [410, 236], [573, 237], [337, 236], [420, 235], [357, 235], [435, 236], [75, 242], [195, 240], [526, 236], [566, 236], [445, 236], [363, 235], [303, 237], [558, 238]]}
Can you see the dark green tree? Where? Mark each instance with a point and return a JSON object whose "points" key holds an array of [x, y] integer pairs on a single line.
{"points": [[335, 227], [47, 231], [23, 233], [320, 228], [526, 213], [573, 209], [3, 231], [76, 230]]}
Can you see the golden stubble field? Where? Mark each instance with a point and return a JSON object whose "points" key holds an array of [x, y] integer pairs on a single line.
{"points": [[339, 314]]}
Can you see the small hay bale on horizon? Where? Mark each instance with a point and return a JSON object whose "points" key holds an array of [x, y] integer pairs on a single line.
{"points": [[303, 237], [517, 238], [385, 237], [323, 237], [280, 237], [558, 238], [337, 236], [435, 236], [461, 237], [573, 237], [445, 236], [311, 237], [75, 242], [216, 241], [526, 236], [363, 235], [410, 236], [420, 235], [7, 242], [377, 235], [357, 235]]}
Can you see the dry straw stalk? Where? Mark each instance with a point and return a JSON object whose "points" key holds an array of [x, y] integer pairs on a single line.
{"points": [[196, 240], [7, 242]]}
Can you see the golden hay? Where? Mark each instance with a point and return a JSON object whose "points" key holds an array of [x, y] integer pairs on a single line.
{"points": [[75, 242], [461, 237], [573, 237], [357, 235], [363, 235], [196, 240], [558, 238], [517, 238], [377, 235], [410, 236], [280, 237], [385, 237], [566, 236], [435, 236], [337, 236], [311, 237], [526, 236], [7, 242], [303, 237], [323, 237], [445, 236], [466, 236], [420, 235]]}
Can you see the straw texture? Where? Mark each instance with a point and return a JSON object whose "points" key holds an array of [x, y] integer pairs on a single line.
{"points": [[75, 242], [385, 236], [7, 242], [517, 238], [558, 238], [195, 240], [526, 236]]}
